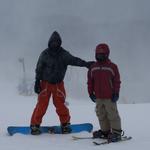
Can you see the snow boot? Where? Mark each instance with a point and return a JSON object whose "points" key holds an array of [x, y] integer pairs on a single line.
{"points": [[101, 134], [65, 128], [35, 129], [115, 136]]}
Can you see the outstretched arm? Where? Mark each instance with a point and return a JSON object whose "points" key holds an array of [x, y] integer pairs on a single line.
{"points": [[75, 61]]}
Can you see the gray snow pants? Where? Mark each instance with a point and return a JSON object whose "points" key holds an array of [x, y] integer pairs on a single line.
{"points": [[108, 115]]}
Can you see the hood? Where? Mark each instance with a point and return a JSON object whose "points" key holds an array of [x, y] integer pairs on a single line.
{"points": [[102, 48], [55, 37]]}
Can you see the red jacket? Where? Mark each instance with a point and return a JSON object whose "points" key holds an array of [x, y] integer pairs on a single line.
{"points": [[103, 79]]}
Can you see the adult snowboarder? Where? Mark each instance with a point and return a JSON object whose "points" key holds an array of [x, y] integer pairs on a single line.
{"points": [[50, 73], [103, 88]]}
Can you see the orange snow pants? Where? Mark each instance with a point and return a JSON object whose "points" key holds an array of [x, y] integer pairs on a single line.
{"points": [[57, 91]]}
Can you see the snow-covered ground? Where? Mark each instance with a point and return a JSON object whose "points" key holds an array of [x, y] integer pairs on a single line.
{"points": [[25, 30], [17, 110]]}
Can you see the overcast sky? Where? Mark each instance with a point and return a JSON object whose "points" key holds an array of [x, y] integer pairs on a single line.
{"points": [[26, 25]]}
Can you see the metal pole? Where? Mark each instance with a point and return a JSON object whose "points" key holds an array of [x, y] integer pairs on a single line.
{"points": [[25, 91]]}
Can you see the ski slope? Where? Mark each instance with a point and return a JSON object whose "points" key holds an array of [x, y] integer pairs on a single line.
{"points": [[17, 110]]}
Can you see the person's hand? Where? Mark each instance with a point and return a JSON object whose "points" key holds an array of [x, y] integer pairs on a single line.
{"points": [[115, 97], [89, 63], [93, 97], [37, 88]]}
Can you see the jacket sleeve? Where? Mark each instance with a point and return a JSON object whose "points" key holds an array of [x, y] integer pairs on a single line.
{"points": [[74, 61], [116, 80], [39, 67], [90, 83]]}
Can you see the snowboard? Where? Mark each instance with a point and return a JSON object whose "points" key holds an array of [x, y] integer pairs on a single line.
{"points": [[75, 128]]}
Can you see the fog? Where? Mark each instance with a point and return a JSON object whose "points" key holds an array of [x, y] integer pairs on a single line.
{"points": [[26, 25]]}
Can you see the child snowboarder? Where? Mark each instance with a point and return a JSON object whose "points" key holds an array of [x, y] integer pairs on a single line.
{"points": [[103, 88]]}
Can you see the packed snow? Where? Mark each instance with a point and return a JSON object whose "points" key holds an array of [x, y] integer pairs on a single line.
{"points": [[17, 110]]}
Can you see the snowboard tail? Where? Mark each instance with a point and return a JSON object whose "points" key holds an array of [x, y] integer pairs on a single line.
{"points": [[75, 128]]}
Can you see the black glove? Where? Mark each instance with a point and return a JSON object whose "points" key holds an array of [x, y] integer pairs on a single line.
{"points": [[89, 63], [115, 97], [93, 97], [37, 88]]}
